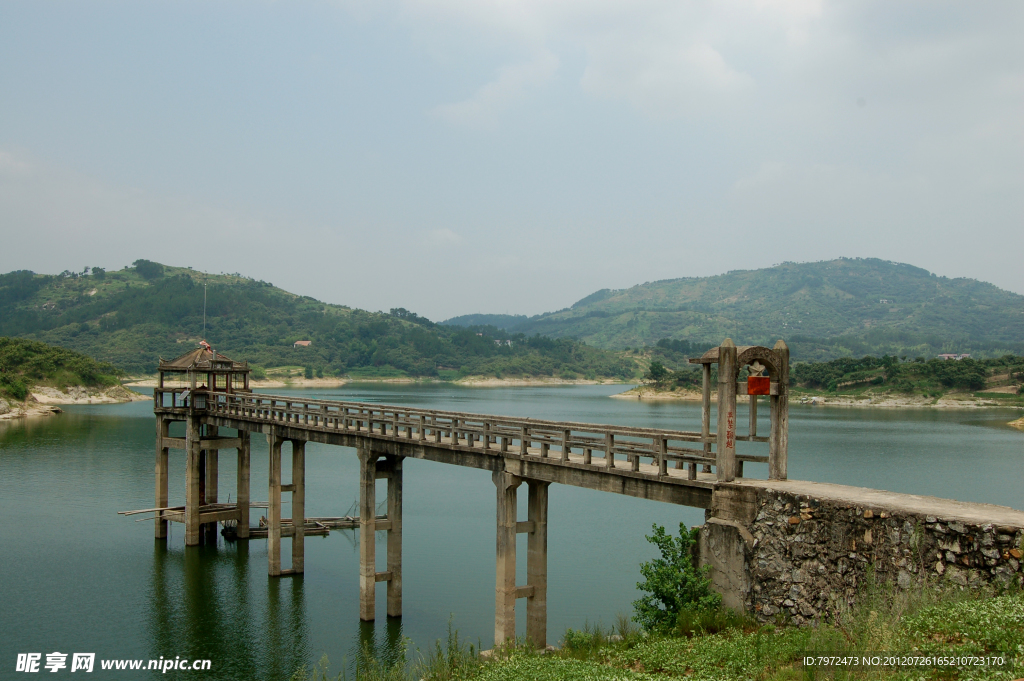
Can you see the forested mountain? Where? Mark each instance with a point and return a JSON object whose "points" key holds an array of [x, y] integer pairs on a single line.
{"points": [[133, 317], [25, 363], [822, 309]]}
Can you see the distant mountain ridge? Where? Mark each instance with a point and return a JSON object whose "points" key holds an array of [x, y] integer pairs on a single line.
{"points": [[132, 317], [823, 310]]}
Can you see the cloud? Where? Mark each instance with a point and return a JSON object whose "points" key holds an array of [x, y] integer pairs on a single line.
{"points": [[443, 236], [666, 59], [11, 166], [511, 85], [54, 215]]}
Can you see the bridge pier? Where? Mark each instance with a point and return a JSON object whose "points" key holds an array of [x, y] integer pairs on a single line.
{"points": [[162, 477], [193, 481], [244, 449], [370, 470], [209, 483], [297, 487], [535, 591], [394, 566], [537, 564]]}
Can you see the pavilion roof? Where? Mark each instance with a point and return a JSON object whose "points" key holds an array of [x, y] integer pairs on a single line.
{"points": [[202, 359]]}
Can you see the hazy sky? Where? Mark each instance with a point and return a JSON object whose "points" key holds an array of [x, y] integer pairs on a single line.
{"points": [[458, 156]]}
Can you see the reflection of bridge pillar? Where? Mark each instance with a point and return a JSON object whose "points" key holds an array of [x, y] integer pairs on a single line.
{"points": [[193, 476], [243, 484], [162, 475]]}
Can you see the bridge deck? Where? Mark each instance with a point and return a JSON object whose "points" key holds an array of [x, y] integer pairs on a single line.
{"points": [[656, 464]]}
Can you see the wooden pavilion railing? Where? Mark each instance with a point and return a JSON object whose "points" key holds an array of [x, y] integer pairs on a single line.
{"points": [[614, 446]]}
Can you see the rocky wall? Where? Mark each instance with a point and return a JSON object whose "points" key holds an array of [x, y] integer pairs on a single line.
{"points": [[807, 557]]}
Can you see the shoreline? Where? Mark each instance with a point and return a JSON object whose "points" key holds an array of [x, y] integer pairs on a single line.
{"points": [[885, 401], [468, 381], [43, 401]]}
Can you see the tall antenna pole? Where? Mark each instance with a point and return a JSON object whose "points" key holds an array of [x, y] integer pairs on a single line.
{"points": [[204, 310]]}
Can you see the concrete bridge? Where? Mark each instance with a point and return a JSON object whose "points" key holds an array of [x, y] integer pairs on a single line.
{"points": [[699, 469]]}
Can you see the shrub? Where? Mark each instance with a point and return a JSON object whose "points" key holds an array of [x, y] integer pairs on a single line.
{"points": [[148, 269], [675, 587]]}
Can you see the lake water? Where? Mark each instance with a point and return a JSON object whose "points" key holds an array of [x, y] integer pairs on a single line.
{"points": [[77, 577]]}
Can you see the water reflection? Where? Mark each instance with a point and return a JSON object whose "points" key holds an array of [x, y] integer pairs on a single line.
{"points": [[201, 607]]}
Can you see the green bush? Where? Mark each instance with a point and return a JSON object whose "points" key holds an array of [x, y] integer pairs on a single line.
{"points": [[14, 387], [148, 269], [675, 587]]}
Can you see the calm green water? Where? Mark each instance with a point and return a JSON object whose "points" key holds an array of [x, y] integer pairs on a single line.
{"points": [[76, 577]]}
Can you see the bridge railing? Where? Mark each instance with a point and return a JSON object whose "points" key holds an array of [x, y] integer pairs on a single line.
{"points": [[560, 441], [171, 398]]}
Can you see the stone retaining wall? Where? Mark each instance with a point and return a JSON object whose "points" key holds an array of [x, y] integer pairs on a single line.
{"points": [[807, 557]]}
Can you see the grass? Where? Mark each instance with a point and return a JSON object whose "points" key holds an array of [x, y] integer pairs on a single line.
{"points": [[731, 648], [727, 647]]}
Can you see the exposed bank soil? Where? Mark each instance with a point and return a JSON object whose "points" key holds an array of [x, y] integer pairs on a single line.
{"points": [[643, 392], [1019, 423], [81, 395], [950, 401], [483, 381], [42, 401]]}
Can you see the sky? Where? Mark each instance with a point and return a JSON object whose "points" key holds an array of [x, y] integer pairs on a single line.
{"points": [[462, 156]]}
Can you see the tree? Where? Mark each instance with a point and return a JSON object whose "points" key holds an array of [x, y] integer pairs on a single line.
{"points": [[148, 269], [656, 373], [309, 372], [673, 584]]}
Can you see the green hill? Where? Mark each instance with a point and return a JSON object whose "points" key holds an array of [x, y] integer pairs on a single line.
{"points": [[25, 363], [823, 310], [132, 317]]}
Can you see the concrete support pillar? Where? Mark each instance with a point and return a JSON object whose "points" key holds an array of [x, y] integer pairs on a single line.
{"points": [[778, 438], [162, 472], [298, 505], [212, 467], [705, 419], [505, 587], [367, 533], [274, 507], [192, 480], [725, 454], [243, 484], [209, 466], [394, 536], [537, 564]]}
